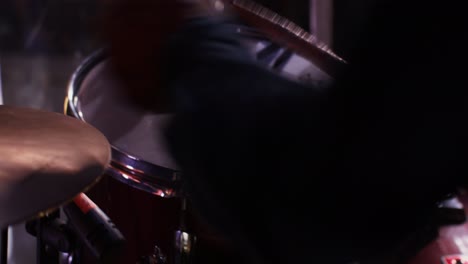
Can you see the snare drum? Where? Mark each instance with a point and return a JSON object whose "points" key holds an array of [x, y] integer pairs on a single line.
{"points": [[142, 194], [143, 175]]}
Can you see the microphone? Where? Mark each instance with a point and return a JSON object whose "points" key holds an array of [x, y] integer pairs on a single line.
{"points": [[95, 229]]}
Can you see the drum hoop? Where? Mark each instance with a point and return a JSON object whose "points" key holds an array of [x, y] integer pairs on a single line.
{"points": [[124, 167]]}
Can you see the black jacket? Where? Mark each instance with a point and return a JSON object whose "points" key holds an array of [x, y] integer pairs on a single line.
{"points": [[297, 174]]}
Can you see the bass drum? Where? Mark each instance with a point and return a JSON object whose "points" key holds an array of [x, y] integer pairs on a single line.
{"points": [[142, 193], [450, 244]]}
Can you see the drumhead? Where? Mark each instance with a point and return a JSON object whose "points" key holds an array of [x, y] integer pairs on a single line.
{"points": [[139, 152]]}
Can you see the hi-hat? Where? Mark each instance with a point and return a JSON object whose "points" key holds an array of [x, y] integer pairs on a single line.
{"points": [[46, 159]]}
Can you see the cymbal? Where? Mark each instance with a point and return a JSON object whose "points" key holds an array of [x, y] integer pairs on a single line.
{"points": [[46, 159]]}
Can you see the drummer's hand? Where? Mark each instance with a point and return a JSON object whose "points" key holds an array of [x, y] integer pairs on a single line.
{"points": [[136, 32]]}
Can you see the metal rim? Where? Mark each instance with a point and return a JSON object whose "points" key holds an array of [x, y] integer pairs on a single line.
{"points": [[127, 168]]}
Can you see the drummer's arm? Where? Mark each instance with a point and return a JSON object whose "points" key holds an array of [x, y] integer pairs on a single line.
{"points": [[237, 126]]}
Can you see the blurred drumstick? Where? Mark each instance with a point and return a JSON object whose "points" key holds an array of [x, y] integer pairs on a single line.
{"points": [[286, 33]]}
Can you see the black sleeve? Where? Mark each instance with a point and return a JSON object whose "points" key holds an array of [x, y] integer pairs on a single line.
{"points": [[288, 169]]}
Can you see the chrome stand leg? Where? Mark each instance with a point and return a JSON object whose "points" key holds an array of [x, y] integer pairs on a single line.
{"points": [[4, 246]]}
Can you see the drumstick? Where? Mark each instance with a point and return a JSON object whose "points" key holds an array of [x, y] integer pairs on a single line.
{"points": [[287, 33]]}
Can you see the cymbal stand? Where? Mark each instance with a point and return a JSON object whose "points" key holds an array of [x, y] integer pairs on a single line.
{"points": [[53, 237]]}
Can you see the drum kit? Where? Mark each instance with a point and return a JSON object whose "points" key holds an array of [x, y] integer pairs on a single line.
{"points": [[116, 154], [145, 188]]}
